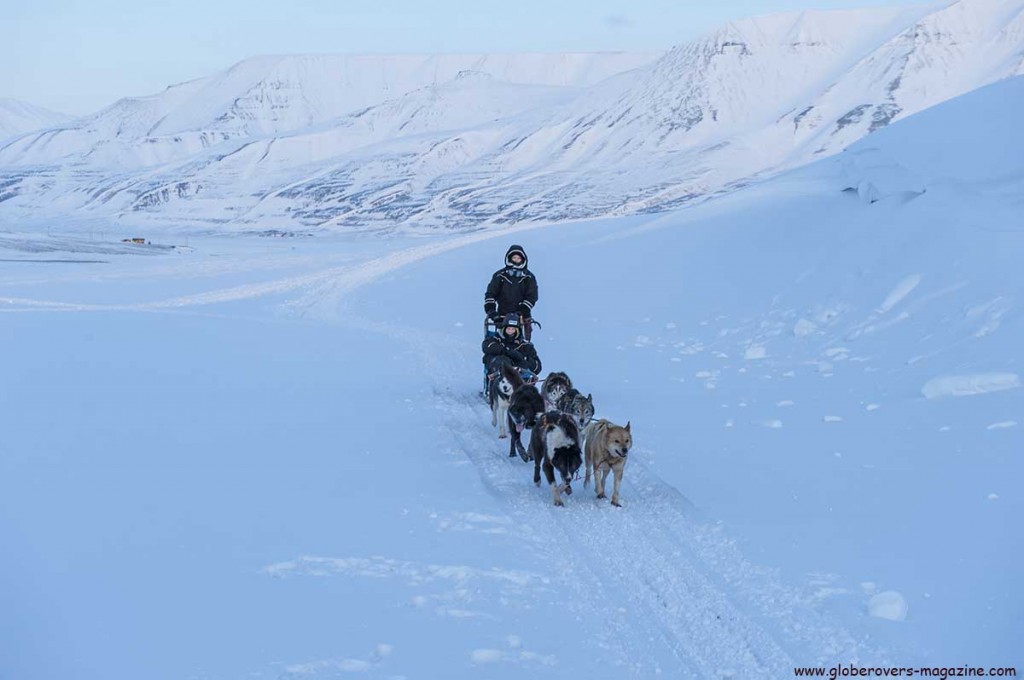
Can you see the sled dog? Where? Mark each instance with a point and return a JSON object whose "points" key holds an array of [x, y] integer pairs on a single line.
{"points": [[554, 444], [606, 450], [555, 385], [580, 408], [525, 406], [499, 393]]}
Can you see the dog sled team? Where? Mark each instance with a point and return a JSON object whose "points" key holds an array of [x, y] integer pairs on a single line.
{"points": [[563, 433]]}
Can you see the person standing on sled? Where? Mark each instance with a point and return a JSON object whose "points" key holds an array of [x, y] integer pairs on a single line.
{"points": [[511, 344], [512, 290]]}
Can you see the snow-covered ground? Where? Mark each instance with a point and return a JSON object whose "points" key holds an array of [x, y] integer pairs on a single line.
{"points": [[266, 457]]}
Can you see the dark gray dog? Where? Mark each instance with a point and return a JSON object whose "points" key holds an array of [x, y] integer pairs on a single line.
{"points": [[524, 408], [580, 408]]}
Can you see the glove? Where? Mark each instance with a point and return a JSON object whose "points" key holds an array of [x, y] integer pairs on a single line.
{"points": [[516, 356]]}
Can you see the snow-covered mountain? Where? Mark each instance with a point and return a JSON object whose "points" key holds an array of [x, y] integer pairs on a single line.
{"points": [[18, 117], [268, 96], [257, 457], [308, 142]]}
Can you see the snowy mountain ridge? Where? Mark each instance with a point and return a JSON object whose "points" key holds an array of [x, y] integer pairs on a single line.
{"points": [[272, 95], [18, 117], [385, 142]]}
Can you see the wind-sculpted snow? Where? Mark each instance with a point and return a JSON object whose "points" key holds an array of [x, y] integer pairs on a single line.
{"points": [[380, 567], [968, 385]]}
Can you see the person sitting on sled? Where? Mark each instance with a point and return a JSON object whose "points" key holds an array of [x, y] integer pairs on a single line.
{"points": [[510, 343], [513, 289]]}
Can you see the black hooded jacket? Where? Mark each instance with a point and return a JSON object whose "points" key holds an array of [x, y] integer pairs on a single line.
{"points": [[522, 352], [512, 289]]}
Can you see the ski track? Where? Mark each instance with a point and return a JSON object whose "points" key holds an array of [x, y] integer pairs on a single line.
{"points": [[655, 582], [650, 583], [321, 293]]}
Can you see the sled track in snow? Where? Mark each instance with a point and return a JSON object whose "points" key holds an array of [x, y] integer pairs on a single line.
{"points": [[318, 294], [657, 590], [650, 581]]}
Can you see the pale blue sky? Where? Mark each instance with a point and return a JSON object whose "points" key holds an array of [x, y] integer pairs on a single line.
{"points": [[76, 56]]}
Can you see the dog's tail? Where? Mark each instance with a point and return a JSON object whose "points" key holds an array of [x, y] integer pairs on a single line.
{"points": [[594, 428]]}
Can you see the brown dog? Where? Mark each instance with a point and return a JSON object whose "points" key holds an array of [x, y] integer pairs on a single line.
{"points": [[606, 450]]}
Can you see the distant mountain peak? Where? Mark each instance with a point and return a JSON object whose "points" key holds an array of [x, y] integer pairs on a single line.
{"points": [[464, 140], [18, 117]]}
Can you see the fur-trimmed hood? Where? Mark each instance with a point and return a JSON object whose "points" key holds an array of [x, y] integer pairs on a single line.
{"points": [[516, 249]]}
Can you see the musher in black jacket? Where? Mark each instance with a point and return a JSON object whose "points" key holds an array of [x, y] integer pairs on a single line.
{"points": [[512, 289], [510, 343]]}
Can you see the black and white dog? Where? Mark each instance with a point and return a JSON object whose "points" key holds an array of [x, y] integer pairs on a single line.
{"points": [[555, 385], [578, 407], [524, 408], [555, 445], [499, 392]]}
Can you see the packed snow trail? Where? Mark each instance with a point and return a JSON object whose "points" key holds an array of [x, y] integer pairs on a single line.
{"points": [[318, 294], [660, 589]]}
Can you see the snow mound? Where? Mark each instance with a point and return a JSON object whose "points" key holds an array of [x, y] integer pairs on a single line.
{"points": [[902, 290], [889, 605], [487, 655], [874, 175], [803, 328], [967, 385], [755, 352]]}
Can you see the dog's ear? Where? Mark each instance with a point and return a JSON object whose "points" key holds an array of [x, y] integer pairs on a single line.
{"points": [[590, 397], [627, 426]]}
